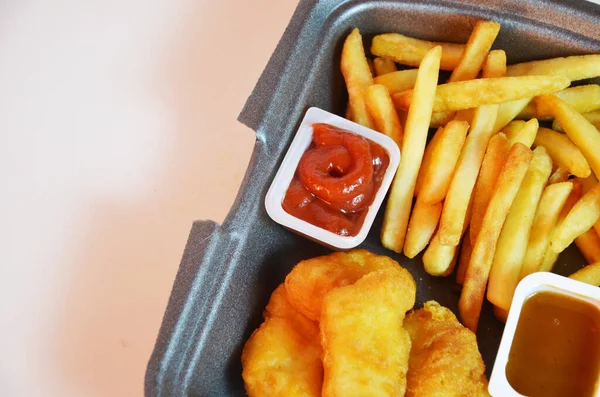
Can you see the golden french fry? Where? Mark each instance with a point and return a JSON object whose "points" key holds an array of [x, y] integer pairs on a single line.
{"points": [[482, 37], [382, 112], [526, 135], [494, 159], [371, 66], [579, 130], [439, 259], [464, 115], [427, 158], [579, 220], [474, 93], [574, 67], [495, 64], [423, 222], [383, 66], [588, 183], [410, 51], [529, 112], [500, 314], [440, 119], [463, 259], [559, 175], [443, 160], [512, 243], [513, 127], [457, 200], [358, 77], [563, 152], [509, 181], [592, 117], [589, 246], [398, 81], [584, 98], [589, 274], [550, 256], [397, 212], [551, 203], [508, 111]]}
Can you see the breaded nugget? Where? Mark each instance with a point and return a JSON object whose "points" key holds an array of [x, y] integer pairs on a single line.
{"points": [[445, 359], [366, 350], [310, 280], [283, 356]]}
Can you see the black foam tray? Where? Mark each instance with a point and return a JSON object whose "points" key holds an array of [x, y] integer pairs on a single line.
{"points": [[228, 271]]}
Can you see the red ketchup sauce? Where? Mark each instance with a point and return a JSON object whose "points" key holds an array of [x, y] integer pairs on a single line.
{"points": [[336, 180]]}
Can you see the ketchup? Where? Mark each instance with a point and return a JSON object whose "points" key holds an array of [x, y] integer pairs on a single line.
{"points": [[336, 180]]}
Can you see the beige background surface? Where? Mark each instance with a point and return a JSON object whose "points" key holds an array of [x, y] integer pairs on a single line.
{"points": [[118, 126]]}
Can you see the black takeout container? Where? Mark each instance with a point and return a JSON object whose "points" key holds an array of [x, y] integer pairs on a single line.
{"points": [[228, 271]]}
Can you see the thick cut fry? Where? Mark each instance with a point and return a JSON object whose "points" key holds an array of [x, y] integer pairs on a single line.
{"points": [[589, 245], [563, 152], [423, 222], [585, 98], [439, 259], [366, 350], [398, 81], [579, 220], [508, 184], [427, 158], [513, 127], [482, 37], [559, 175], [550, 257], [358, 77], [494, 159], [463, 259], [592, 117], [588, 183], [474, 93], [508, 111], [383, 66], [529, 112], [410, 51], [458, 198], [547, 214], [310, 280], [500, 314], [574, 67], [581, 132], [440, 119], [525, 135], [495, 64], [278, 361], [589, 274], [382, 112], [397, 212], [443, 161], [512, 244]]}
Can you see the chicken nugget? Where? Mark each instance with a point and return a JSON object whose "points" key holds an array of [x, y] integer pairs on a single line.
{"points": [[310, 280], [366, 350], [280, 307], [444, 359]]}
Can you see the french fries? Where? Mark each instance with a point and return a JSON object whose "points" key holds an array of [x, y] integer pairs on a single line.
{"points": [[457, 200], [482, 37], [398, 208], [513, 127], [559, 175], [410, 51], [592, 117], [509, 181], [500, 314], [547, 215], [589, 246], [584, 98], [550, 257], [581, 132], [526, 134], [423, 222], [439, 259], [580, 219], [463, 259], [563, 152], [443, 160], [508, 111], [358, 77], [398, 81], [427, 159], [382, 112], [494, 159], [474, 93], [440, 119], [383, 66], [495, 64], [574, 67], [512, 243], [589, 274]]}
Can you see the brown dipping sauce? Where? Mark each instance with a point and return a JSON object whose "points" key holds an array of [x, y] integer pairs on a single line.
{"points": [[556, 348], [336, 180]]}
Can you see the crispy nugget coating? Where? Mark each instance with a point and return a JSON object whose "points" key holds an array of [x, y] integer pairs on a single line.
{"points": [[310, 280], [280, 307], [366, 350], [445, 359]]}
